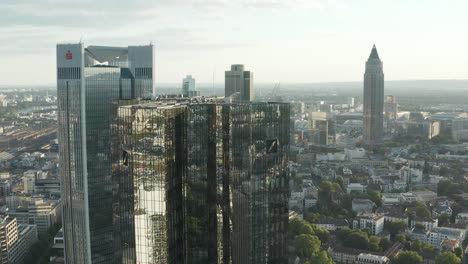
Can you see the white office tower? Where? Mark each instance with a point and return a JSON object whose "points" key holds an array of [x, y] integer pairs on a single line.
{"points": [[189, 88], [351, 101], [88, 80], [239, 83]]}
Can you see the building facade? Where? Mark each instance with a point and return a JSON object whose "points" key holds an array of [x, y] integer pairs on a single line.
{"points": [[391, 107], [189, 87], [88, 78], [207, 182], [239, 83], [373, 100]]}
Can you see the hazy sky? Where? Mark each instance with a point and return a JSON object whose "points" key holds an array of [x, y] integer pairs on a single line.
{"points": [[279, 40]]}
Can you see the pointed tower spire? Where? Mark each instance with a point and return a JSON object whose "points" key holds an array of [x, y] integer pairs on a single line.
{"points": [[374, 54]]}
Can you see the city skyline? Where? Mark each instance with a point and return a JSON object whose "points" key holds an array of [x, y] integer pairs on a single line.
{"points": [[294, 42]]}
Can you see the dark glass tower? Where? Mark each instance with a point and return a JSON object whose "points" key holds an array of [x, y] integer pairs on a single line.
{"points": [[373, 101], [88, 78], [213, 174]]}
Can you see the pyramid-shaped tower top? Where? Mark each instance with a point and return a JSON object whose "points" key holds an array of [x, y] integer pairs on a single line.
{"points": [[374, 54]]}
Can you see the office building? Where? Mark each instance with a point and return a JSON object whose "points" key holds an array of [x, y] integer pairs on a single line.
{"points": [[391, 107], [15, 240], [201, 182], [323, 132], [189, 87], [88, 78], [374, 222], [373, 100], [238, 83], [427, 129]]}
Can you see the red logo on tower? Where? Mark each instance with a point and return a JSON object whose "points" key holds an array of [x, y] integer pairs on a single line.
{"points": [[69, 55]]}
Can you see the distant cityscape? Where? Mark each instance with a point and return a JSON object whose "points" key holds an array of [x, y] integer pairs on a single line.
{"points": [[108, 167]]}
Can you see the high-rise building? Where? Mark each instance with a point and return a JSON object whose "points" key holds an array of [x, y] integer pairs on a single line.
{"points": [[323, 132], [373, 100], [239, 83], [391, 107], [189, 88], [88, 78], [201, 182]]}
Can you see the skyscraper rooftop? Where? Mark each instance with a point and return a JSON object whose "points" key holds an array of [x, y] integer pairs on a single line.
{"points": [[374, 54]]}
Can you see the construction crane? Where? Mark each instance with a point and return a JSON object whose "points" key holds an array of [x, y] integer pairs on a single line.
{"points": [[274, 92]]}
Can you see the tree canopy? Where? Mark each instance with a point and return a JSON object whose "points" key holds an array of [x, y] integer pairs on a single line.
{"points": [[306, 245], [407, 257], [447, 258]]}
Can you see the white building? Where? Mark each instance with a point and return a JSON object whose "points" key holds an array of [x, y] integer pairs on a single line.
{"points": [[333, 224], [356, 153], [437, 235], [365, 258], [374, 222], [362, 205], [356, 187], [461, 217], [390, 199]]}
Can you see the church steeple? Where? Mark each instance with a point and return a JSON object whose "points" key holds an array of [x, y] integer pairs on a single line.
{"points": [[374, 54]]}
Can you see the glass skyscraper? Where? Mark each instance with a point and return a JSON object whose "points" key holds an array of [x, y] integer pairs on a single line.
{"points": [[200, 182], [88, 78]]}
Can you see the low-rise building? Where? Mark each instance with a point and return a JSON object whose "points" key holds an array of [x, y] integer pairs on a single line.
{"points": [[333, 224], [374, 222], [366, 258], [356, 187], [461, 217], [427, 223], [437, 235], [362, 205]]}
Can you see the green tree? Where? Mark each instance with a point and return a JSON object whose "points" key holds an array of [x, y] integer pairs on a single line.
{"points": [[306, 245], [298, 226], [407, 257], [395, 227], [444, 219], [384, 243], [326, 188], [374, 243], [358, 240], [459, 252], [312, 217], [343, 234], [376, 197], [416, 246], [339, 180], [443, 171], [320, 258], [321, 233], [447, 258]]}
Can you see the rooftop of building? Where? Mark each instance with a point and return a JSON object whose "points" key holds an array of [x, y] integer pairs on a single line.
{"points": [[449, 243], [374, 54], [362, 201], [369, 216], [341, 222], [172, 101]]}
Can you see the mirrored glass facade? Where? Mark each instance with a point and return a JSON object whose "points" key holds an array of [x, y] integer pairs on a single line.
{"points": [[88, 79], [213, 174]]}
